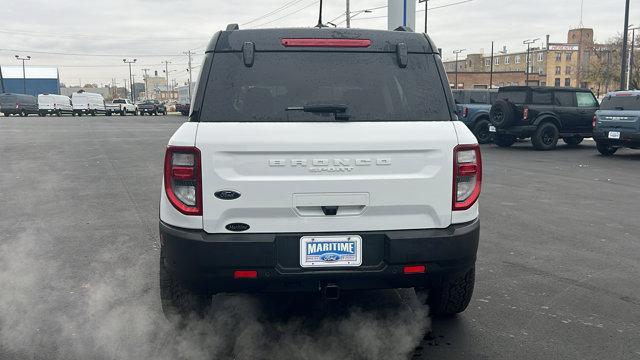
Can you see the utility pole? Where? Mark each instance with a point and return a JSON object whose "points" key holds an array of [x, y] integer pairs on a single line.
{"points": [[528, 59], [491, 71], [631, 55], [348, 14], [1, 81], [126, 61], [625, 35], [457, 52], [190, 70], [426, 11], [126, 95], [24, 74], [166, 73], [145, 78]]}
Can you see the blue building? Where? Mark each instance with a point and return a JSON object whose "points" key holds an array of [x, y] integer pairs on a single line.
{"points": [[37, 80]]}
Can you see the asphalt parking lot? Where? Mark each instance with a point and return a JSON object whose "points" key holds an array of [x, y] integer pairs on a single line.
{"points": [[557, 274]]}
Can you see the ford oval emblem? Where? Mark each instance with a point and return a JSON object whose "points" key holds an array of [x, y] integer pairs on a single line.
{"points": [[227, 195], [330, 257], [237, 227]]}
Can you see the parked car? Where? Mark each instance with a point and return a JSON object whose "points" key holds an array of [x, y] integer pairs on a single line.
{"points": [[18, 104], [85, 103], [473, 108], [52, 104], [617, 123], [152, 107], [300, 172], [545, 114], [122, 107], [184, 102]]}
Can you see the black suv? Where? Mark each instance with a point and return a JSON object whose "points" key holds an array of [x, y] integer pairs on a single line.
{"points": [[544, 114]]}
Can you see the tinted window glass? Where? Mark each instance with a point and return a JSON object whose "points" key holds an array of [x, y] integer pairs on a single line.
{"points": [[371, 85], [542, 97], [8, 99], [119, 101], [586, 99], [493, 96], [565, 98], [459, 97], [479, 97], [516, 97], [621, 103]]}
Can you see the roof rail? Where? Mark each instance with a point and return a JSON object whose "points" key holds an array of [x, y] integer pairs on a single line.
{"points": [[232, 27], [403, 28]]}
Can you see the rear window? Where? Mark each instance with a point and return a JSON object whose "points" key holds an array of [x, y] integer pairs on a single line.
{"points": [[620, 103], [119, 101], [516, 97], [479, 97], [371, 85]]}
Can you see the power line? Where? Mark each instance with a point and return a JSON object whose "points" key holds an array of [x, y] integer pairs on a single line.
{"points": [[431, 8], [287, 15], [283, 7], [91, 36]]}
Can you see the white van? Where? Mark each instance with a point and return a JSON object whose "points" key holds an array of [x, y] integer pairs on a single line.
{"points": [[87, 103], [54, 105]]}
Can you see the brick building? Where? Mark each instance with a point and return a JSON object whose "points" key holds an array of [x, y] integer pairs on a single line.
{"points": [[554, 64]]}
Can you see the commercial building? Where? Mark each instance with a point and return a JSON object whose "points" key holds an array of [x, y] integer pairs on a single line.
{"points": [[34, 80], [553, 64]]}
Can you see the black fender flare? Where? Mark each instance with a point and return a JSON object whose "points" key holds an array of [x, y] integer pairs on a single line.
{"points": [[548, 118]]}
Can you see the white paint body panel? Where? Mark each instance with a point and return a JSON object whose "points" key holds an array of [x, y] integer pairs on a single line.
{"points": [[87, 101], [382, 175]]}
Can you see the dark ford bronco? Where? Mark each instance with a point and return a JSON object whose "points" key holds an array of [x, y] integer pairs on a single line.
{"points": [[544, 114], [472, 108], [617, 123]]}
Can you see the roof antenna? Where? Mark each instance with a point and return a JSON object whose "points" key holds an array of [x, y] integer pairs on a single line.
{"points": [[581, 12], [320, 25]]}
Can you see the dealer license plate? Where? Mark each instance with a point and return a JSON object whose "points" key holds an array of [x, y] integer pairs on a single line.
{"points": [[614, 134], [330, 251]]}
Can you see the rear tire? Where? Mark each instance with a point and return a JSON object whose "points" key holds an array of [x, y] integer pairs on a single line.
{"points": [[23, 113], [179, 303], [155, 112], [545, 137], [605, 149], [123, 112], [58, 113], [452, 296], [573, 141], [504, 140], [481, 131]]}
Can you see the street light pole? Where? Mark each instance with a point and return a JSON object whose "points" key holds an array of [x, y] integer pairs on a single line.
{"points": [[130, 75], [528, 59], [625, 35], [426, 11], [24, 74], [348, 14], [457, 52]]}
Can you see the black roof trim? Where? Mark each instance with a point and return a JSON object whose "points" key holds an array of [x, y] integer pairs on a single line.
{"points": [[549, 88], [269, 39]]}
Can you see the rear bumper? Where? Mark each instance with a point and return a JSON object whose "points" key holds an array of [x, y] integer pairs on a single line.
{"points": [[629, 138], [518, 131], [207, 262]]}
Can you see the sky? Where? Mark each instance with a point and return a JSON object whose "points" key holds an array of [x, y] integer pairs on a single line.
{"points": [[87, 40]]}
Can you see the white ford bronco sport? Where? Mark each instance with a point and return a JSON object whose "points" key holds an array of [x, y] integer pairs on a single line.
{"points": [[320, 160]]}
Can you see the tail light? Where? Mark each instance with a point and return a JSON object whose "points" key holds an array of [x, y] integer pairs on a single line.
{"points": [[183, 179], [467, 176], [525, 113], [594, 121], [465, 112], [358, 43]]}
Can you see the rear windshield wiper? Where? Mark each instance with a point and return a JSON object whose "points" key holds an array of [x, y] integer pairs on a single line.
{"points": [[339, 111]]}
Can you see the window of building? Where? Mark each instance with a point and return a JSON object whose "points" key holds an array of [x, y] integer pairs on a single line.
{"points": [[487, 62], [540, 56], [567, 70], [496, 61], [558, 70], [557, 83], [507, 60], [567, 56], [517, 59], [567, 82], [558, 56]]}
